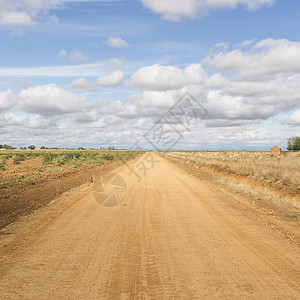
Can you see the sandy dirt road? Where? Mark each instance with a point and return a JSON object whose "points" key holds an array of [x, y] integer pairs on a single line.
{"points": [[173, 237]]}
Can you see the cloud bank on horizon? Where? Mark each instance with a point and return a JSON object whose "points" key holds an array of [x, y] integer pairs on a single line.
{"points": [[110, 88]]}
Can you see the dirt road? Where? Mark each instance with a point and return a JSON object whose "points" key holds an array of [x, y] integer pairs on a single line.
{"points": [[173, 237]]}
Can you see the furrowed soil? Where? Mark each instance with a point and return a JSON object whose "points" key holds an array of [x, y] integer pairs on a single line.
{"points": [[173, 236]]}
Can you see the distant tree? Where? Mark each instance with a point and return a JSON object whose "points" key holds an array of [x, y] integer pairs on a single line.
{"points": [[43, 147], [293, 143], [6, 147], [31, 147]]}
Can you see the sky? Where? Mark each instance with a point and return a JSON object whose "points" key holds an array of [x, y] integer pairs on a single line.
{"points": [[153, 74]]}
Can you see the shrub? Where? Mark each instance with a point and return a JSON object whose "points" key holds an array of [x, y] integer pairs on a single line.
{"points": [[18, 158], [293, 143], [108, 156]]}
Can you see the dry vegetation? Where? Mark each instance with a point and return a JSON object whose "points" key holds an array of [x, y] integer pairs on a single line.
{"points": [[281, 171]]}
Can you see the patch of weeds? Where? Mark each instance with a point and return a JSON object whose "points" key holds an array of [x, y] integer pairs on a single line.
{"points": [[8, 183], [108, 156], [49, 179], [76, 165], [18, 158], [47, 158], [291, 216]]}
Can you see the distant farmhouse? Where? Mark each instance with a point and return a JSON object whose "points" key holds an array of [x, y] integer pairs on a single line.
{"points": [[275, 150]]}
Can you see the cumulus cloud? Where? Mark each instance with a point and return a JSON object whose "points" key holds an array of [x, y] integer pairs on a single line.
{"points": [[7, 100], [266, 58], [82, 84], [256, 87], [116, 42], [239, 94], [157, 77], [51, 100], [162, 78], [175, 10], [86, 117], [113, 79]]}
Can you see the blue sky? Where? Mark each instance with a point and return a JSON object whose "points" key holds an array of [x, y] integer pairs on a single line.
{"points": [[101, 73]]}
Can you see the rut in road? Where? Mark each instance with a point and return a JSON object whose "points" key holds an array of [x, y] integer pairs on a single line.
{"points": [[174, 236]]}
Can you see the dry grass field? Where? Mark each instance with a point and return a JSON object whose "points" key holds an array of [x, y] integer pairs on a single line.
{"points": [[274, 178], [282, 171]]}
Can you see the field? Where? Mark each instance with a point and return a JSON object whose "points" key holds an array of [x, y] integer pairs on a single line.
{"points": [[30, 179], [281, 172]]}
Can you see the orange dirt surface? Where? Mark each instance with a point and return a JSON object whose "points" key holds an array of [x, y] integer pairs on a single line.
{"points": [[172, 236], [31, 185]]}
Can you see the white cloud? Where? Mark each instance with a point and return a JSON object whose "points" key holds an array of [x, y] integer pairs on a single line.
{"points": [[16, 18], [175, 10], [6, 100], [51, 100], [162, 78], [86, 117], [266, 58], [157, 77], [24, 12], [63, 53], [293, 119], [38, 122], [116, 42], [82, 84], [113, 79], [256, 88]]}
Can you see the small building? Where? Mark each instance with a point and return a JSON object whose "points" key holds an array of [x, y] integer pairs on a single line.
{"points": [[275, 150]]}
